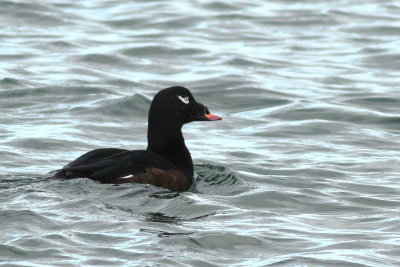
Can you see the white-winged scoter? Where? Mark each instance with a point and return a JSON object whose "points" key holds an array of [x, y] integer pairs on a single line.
{"points": [[165, 163]]}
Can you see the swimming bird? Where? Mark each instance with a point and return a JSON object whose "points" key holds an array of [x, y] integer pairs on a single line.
{"points": [[165, 163]]}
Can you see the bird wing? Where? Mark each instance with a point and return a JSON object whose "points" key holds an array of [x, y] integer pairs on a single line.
{"points": [[119, 165]]}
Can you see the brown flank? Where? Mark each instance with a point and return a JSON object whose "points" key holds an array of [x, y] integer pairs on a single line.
{"points": [[173, 180]]}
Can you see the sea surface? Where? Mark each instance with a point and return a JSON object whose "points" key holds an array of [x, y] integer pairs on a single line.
{"points": [[302, 171]]}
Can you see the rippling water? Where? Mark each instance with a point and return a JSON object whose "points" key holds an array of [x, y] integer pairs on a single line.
{"points": [[303, 171]]}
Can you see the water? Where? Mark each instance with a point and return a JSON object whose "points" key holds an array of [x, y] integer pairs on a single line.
{"points": [[303, 170]]}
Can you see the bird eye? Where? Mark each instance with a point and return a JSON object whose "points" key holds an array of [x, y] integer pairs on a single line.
{"points": [[184, 99]]}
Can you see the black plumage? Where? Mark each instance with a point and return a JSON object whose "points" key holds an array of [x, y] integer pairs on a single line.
{"points": [[165, 163]]}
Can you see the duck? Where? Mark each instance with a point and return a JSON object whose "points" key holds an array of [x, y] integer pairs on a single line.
{"points": [[166, 163]]}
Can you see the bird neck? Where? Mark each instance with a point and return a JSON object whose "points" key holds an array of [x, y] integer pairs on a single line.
{"points": [[167, 140]]}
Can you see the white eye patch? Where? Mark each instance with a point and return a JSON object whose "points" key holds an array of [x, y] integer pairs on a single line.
{"points": [[184, 99]]}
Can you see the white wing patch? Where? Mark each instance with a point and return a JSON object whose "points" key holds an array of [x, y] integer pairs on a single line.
{"points": [[125, 177], [184, 99]]}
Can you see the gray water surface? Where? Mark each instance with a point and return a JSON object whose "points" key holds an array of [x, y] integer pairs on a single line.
{"points": [[303, 170]]}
